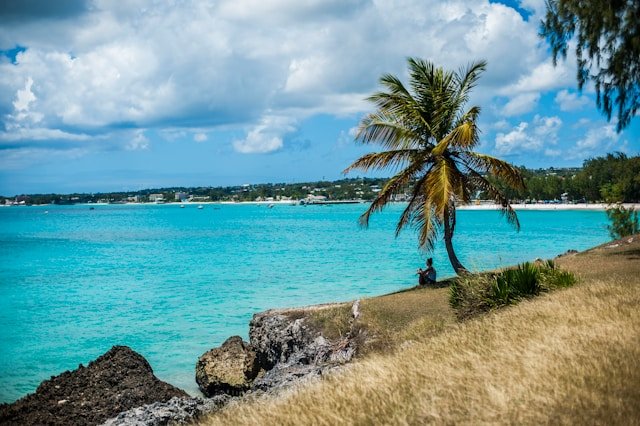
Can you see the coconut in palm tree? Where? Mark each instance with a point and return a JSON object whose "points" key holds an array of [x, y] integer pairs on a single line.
{"points": [[429, 137]]}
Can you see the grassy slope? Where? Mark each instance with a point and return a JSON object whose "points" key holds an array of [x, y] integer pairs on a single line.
{"points": [[566, 357]]}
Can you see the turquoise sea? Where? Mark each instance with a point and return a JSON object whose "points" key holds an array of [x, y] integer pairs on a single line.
{"points": [[173, 282]]}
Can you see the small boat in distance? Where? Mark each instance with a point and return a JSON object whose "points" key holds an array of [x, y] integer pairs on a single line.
{"points": [[182, 206], [270, 206], [200, 207]]}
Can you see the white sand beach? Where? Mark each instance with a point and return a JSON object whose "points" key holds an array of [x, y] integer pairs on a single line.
{"points": [[582, 206]]}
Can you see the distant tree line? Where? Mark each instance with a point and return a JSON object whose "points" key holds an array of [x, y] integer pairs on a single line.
{"points": [[344, 189], [612, 178]]}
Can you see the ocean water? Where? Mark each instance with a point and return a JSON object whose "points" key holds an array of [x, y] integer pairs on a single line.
{"points": [[174, 282]]}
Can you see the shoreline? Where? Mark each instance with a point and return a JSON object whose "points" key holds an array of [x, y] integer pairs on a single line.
{"points": [[468, 207], [547, 207]]}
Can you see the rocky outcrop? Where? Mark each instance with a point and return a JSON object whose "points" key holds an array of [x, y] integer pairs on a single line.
{"points": [[277, 338], [286, 349], [176, 411], [229, 369], [289, 349], [117, 381]]}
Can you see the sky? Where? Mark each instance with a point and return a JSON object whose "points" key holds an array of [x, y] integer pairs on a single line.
{"points": [[104, 95]]}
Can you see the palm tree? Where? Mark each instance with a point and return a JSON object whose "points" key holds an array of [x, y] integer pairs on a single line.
{"points": [[429, 137]]}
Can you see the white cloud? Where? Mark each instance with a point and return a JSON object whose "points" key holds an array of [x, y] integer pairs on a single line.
{"points": [[24, 97], [547, 127], [41, 134], [138, 142], [23, 114], [266, 136], [597, 140], [200, 137], [525, 93], [500, 125], [139, 65], [521, 104], [571, 101], [526, 138], [545, 76], [516, 139], [173, 134]]}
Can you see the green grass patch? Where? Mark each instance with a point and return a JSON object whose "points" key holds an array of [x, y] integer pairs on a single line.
{"points": [[473, 294]]}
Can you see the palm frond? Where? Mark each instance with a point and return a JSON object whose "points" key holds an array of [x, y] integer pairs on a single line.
{"points": [[381, 160], [428, 225], [419, 213], [499, 168], [507, 211], [466, 79], [417, 197], [440, 183], [393, 186], [386, 131]]}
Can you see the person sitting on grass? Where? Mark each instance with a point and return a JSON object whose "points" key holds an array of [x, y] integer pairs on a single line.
{"points": [[428, 275]]}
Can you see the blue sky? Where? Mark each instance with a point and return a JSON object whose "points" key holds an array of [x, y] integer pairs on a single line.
{"points": [[109, 96]]}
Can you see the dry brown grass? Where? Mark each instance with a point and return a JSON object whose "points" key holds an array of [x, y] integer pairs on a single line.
{"points": [[387, 321], [618, 259], [568, 357]]}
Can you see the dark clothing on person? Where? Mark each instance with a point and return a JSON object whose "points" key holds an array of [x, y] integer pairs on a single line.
{"points": [[427, 276]]}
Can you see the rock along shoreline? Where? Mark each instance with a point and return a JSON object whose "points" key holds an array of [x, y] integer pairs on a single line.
{"points": [[119, 387]]}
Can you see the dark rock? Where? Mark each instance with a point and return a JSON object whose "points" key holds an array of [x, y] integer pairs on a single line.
{"points": [[119, 380], [276, 337], [288, 350], [176, 411], [284, 349], [568, 252], [228, 369], [282, 376]]}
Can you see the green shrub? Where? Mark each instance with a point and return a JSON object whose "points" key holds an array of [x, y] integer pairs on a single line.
{"points": [[500, 292], [468, 294], [624, 221], [552, 278], [523, 281], [473, 294]]}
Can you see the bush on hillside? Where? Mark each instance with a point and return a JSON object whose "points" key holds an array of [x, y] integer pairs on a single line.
{"points": [[624, 221], [473, 294]]}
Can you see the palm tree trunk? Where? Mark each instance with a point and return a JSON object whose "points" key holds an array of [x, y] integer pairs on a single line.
{"points": [[448, 235]]}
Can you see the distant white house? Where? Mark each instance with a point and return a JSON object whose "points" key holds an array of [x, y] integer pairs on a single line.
{"points": [[156, 197], [311, 198], [400, 197], [181, 196]]}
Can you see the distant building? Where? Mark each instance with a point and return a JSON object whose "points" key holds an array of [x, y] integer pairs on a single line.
{"points": [[181, 196], [156, 197], [400, 197], [313, 198]]}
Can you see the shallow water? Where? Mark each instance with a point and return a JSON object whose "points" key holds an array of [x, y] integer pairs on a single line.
{"points": [[172, 283]]}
